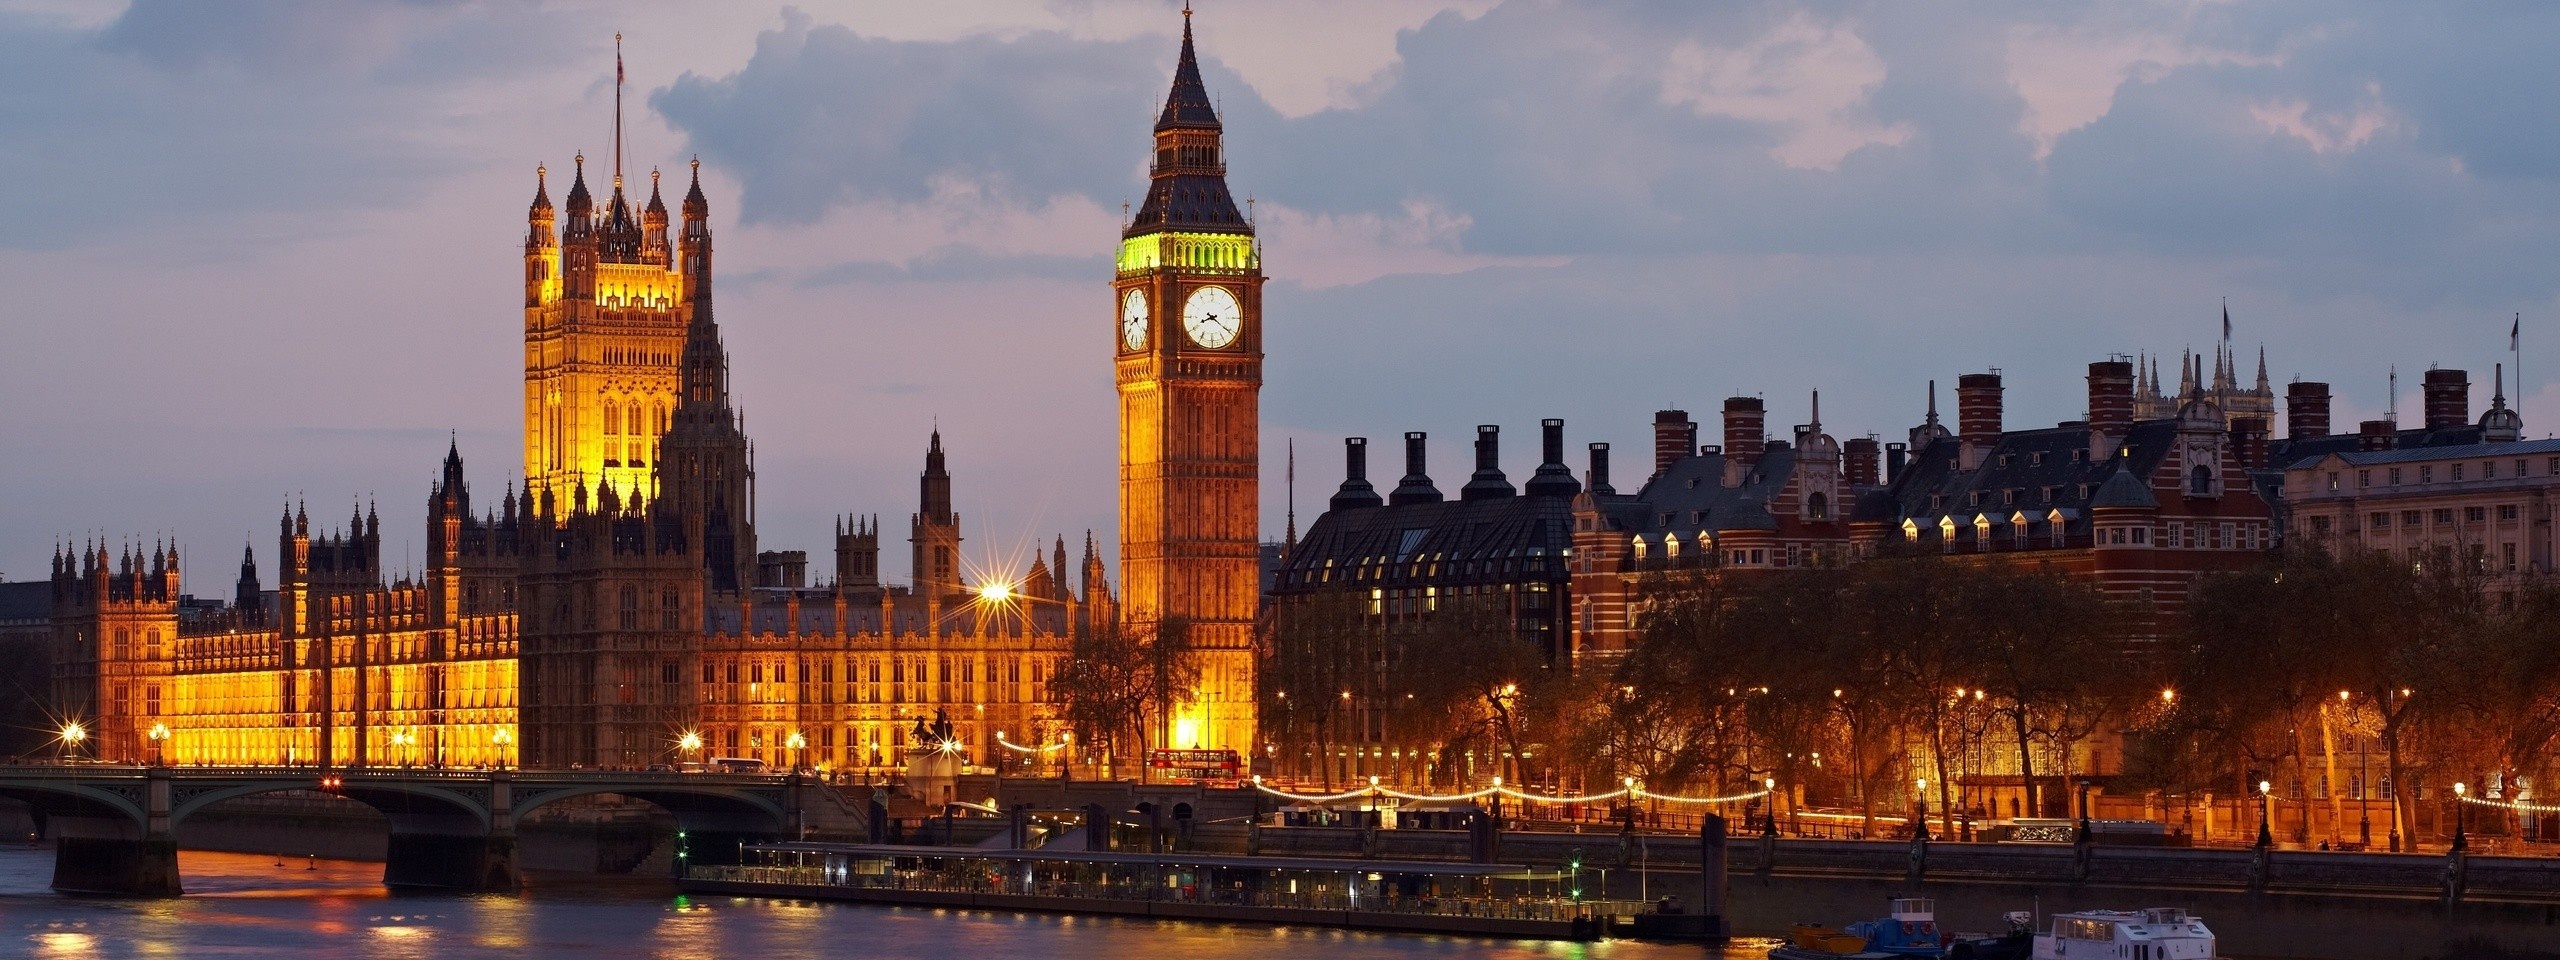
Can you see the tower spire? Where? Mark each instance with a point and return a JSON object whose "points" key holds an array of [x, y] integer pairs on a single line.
{"points": [[617, 110], [1288, 540]]}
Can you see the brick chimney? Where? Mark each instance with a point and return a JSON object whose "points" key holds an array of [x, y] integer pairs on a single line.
{"points": [[1673, 437], [1977, 416], [1745, 436], [2306, 409], [1600, 471], [2110, 407], [1487, 483], [2376, 435], [1896, 456], [1355, 491], [2249, 442], [1860, 461], [2448, 399]]}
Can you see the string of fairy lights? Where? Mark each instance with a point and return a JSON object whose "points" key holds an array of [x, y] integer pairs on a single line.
{"points": [[1632, 790], [2520, 806], [1063, 743]]}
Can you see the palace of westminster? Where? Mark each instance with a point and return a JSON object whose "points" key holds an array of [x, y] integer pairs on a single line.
{"points": [[615, 608]]}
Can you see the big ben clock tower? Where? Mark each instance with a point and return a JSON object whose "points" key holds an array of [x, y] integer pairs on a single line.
{"points": [[1187, 334]]}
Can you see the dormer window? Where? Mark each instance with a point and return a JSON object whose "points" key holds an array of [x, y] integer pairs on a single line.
{"points": [[2035, 459], [2004, 461], [1974, 499], [2200, 482]]}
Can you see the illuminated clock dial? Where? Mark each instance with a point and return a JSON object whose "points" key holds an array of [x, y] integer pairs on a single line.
{"points": [[1212, 317], [1133, 320]]}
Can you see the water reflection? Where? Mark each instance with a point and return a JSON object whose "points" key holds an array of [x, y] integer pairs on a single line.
{"points": [[246, 906]]}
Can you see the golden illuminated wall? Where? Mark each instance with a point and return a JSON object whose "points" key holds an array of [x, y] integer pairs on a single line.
{"points": [[854, 707], [600, 377], [230, 698]]}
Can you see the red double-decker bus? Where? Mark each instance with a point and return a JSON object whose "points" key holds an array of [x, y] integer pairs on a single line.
{"points": [[1205, 766]]}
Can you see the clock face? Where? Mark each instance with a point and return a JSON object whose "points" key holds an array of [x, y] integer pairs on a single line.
{"points": [[1212, 317], [1133, 320]]}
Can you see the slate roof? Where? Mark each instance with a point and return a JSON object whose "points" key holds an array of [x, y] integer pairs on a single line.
{"points": [[26, 600], [2441, 452], [2034, 470], [1691, 498], [1452, 542]]}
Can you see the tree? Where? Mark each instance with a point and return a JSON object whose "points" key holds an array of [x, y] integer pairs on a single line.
{"points": [[1318, 649], [1123, 683]]}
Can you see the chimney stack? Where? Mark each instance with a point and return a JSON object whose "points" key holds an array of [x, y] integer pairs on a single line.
{"points": [[2249, 442], [1600, 471], [2306, 410], [1860, 468], [2376, 435], [1977, 415], [1553, 478], [1896, 456], [1488, 482], [2448, 399], [1356, 491], [1673, 437], [2110, 407], [1416, 486], [1744, 436]]}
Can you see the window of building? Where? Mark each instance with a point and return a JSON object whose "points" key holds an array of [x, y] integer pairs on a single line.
{"points": [[2508, 511], [2141, 535], [1818, 506], [2488, 469], [2364, 478], [2333, 481], [2379, 522], [2427, 474], [2199, 481], [2475, 514], [2395, 476], [2521, 472], [2457, 472], [2008, 498], [2507, 554], [2444, 515], [628, 614], [2319, 526], [2412, 518]]}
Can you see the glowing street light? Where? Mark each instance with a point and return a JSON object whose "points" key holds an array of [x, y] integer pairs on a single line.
{"points": [[797, 742], [502, 738], [72, 734], [996, 592], [159, 735]]}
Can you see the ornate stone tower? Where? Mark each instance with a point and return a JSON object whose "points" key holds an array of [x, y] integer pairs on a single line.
{"points": [[1187, 332], [935, 535], [605, 312], [708, 472]]}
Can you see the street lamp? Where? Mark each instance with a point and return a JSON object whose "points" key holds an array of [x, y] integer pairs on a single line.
{"points": [[797, 742], [159, 735], [2266, 812], [399, 741], [72, 734], [502, 738], [1920, 823], [2460, 814], [690, 744]]}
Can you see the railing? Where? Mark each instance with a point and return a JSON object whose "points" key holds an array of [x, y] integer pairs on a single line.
{"points": [[1558, 909]]}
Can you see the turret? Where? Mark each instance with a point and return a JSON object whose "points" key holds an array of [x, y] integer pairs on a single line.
{"points": [[578, 242], [653, 225], [696, 241], [541, 243], [244, 594]]}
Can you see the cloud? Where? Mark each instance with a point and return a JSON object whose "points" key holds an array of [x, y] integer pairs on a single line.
{"points": [[1808, 78]]}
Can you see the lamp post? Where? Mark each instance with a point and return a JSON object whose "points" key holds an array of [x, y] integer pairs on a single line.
{"points": [[502, 738], [798, 742], [400, 741], [159, 735], [688, 745], [2460, 814], [1920, 820], [2266, 813], [72, 734]]}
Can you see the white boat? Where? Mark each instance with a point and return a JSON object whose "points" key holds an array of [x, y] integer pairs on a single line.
{"points": [[2155, 933]]}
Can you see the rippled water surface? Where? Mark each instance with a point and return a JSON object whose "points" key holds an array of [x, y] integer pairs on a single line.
{"points": [[240, 905]]}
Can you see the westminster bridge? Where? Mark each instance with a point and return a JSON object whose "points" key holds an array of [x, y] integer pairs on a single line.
{"points": [[116, 827]]}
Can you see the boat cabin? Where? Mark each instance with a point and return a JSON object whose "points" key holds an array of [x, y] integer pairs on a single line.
{"points": [[2157, 933]]}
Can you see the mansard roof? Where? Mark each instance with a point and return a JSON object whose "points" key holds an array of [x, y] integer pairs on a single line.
{"points": [[1691, 497], [2047, 467], [1493, 540], [2295, 451], [2447, 451]]}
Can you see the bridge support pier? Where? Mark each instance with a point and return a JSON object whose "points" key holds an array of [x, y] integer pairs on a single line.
{"points": [[454, 860], [90, 856]]}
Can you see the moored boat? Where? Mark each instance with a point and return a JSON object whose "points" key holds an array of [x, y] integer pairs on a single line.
{"points": [[2155, 933]]}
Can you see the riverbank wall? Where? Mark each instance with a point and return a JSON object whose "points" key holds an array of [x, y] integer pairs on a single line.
{"points": [[599, 836]]}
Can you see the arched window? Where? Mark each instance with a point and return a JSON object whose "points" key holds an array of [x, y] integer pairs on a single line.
{"points": [[1817, 507], [2200, 481], [670, 609], [629, 615], [612, 422]]}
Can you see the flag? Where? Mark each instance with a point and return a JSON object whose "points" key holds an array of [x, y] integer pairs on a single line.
{"points": [[2515, 334], [2226, 321]]}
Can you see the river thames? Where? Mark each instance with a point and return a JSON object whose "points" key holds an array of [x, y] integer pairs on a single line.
{"points": [[242, 905]]}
